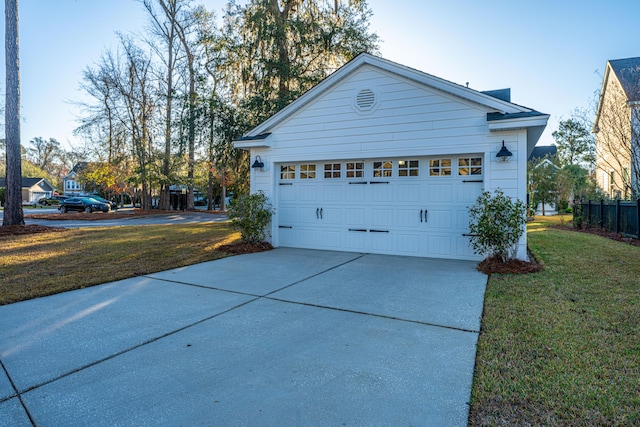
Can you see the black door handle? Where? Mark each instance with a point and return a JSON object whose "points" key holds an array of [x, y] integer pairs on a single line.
{"points": [[320, 213], [420, 215], [425, 215], [317, 213]]}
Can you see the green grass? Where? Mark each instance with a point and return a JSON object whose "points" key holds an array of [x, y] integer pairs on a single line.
{"points": [[562, 346], [42, 264]]}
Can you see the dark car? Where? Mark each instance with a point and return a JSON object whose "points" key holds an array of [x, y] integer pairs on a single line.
{"points": [[53, 200], [83, 204], [113, 205]]}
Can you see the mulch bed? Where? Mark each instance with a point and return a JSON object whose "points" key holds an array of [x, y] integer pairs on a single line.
{"points": [[100, 216], [514, 266], [240, 248], [17, 230], [602, 233]]}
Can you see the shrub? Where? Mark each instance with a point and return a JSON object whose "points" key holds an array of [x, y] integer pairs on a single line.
{"points": [[251, 214], [496, 224]]}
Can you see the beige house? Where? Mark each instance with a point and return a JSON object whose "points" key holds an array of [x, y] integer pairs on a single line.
{"points": [[617, 129]]}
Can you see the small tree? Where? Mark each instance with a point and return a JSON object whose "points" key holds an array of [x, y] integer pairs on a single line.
{"points": [[496, 224], [251, 215]]}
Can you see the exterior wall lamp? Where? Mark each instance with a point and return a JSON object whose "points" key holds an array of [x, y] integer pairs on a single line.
{"points": [[258, 164], [504, 154]]}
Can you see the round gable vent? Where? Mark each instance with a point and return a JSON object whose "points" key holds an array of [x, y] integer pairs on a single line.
{"points": [[366, 99]]}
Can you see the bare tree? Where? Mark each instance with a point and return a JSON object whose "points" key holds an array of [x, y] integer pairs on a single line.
{"points": [[13, 214], [164, 27]]}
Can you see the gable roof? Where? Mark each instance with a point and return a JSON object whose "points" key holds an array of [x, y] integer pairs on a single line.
{"points": [[507, 112], [628, 73], [542, 152], [30, 182]]}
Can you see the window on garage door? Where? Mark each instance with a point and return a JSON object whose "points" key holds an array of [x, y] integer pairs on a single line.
{"points": [[355, 169], [382, 169], [440, 167], [408, 168], [288, 172], [332, 170], [470, 166], [307, 171]]}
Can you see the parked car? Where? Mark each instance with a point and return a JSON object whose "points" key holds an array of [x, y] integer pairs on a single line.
{"points": [[80, 204], [53, 200], [113, 205]]}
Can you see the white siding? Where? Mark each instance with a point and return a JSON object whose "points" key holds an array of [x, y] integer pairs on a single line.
{"points": [[408, 120]]}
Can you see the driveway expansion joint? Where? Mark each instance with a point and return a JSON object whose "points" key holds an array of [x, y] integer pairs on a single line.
{"points": [[382, 316], [17, 394]]}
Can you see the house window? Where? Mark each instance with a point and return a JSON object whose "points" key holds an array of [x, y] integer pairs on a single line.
{"points": [[470, 166], [288, 172], [355, 169], [332, 170], [408, 167], [307, 171], [440, 167], [382, 169]]}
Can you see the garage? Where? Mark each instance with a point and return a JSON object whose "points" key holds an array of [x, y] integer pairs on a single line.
{"points": [[381, 158]]}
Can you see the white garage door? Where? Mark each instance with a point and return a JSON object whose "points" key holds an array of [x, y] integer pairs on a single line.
{"points": [[412, 206]]}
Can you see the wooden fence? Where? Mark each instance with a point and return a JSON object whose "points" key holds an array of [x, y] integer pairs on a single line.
{"points": [[617, 216]]}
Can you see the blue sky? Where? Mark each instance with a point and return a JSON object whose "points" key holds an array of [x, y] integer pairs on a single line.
{"points": [[551, 53]]}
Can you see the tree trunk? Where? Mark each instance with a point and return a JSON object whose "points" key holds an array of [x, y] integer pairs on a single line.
{"points": [[13, 214]]}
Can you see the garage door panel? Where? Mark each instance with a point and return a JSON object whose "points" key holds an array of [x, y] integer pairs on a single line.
{"points": [[288, 215], [307, 193], [307, 215], [462, 219], [408, 193], [381, 242], [332, 192], [355, 217], [440, 193], [381, 217], [355, 193], [440, 245], [440, 219], [331, 216], [287, 193], [355, 240], [287, 236], [381, 193], [409, 217], [331, 238], [468, 192], [408, 243]]}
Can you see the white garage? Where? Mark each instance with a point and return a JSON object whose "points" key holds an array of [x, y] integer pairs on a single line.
{"points": [[381, 158]]}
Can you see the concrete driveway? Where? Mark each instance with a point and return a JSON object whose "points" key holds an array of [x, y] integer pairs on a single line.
{"points": [[285, 337]]}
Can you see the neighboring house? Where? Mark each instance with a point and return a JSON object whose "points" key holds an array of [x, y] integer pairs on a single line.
{"points": [[33, 189], [617, 128], [543, 152], [543, 156], [383, 158], [71, 183]]}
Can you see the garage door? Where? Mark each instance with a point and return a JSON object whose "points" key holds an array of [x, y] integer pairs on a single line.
{"points": [[412, 206]]}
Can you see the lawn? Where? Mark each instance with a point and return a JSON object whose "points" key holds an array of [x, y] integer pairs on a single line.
{"points": [[41, 264], [562, 347]]}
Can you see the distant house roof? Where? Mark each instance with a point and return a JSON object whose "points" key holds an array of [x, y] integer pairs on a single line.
{"points": [[542, 152], [628, 73], [31, 182]]}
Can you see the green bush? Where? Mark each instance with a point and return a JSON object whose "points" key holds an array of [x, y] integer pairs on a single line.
{"points": [[251, 214], [496, 224]]}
